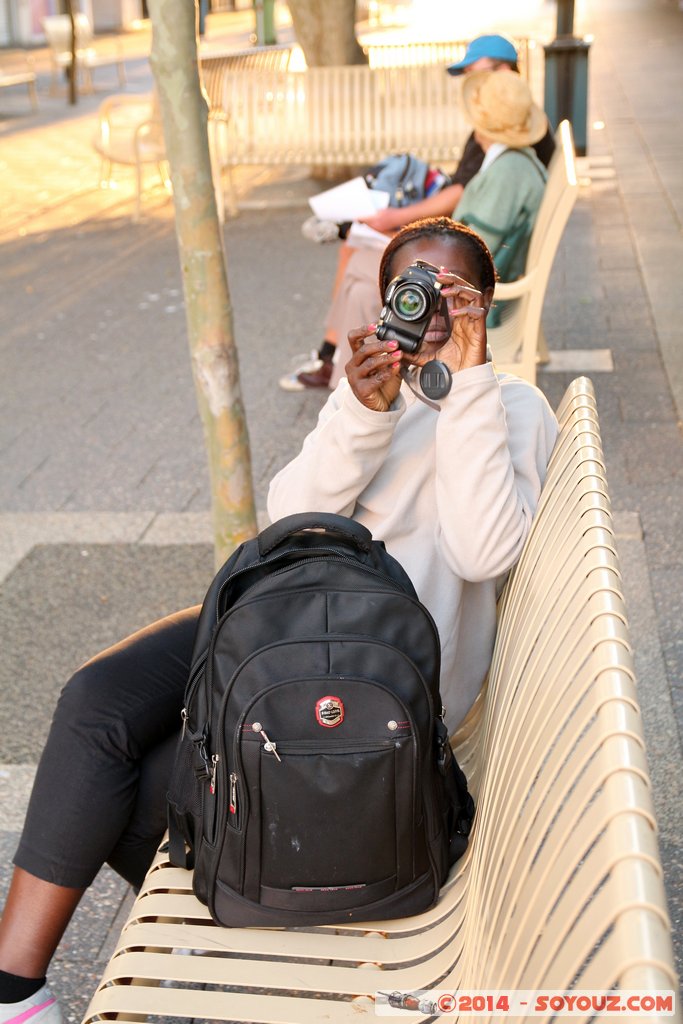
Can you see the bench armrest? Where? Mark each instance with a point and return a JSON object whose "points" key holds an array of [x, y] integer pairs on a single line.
{"points": [[515, 289]]}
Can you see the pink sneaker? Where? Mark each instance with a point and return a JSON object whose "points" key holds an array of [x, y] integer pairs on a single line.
{"points": [[40, 1008]]}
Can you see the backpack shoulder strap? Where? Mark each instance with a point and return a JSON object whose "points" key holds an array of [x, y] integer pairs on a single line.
{"points": [[528, 156], [178, 852]]}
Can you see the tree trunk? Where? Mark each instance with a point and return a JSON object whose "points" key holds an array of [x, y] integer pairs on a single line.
{"points": [[72, 70], [205, 284], [326, 32]]}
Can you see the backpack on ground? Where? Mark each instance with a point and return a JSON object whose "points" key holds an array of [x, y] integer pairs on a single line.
{"points": [[402, 175], [314, 782]]}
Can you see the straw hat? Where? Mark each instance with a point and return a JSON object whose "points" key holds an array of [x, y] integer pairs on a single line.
{"points": [[499, 105]]}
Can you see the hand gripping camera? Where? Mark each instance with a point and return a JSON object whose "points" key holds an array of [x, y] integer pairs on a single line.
{"points": [[410, 302]]}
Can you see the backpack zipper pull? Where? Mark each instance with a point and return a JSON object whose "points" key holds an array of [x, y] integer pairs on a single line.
{"points": [[215, 758], [233, 793], [268, 744], [183, 716]]}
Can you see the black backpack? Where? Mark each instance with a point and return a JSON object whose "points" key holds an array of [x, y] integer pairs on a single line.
{"points": [[314, 782]]}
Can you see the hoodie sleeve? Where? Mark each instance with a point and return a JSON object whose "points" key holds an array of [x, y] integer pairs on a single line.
{"points": [[338, 458], [494, 439]]}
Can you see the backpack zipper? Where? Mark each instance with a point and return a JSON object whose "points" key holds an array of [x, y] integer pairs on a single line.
{"points": [[215, 758], [268, 745], [366, 746], [190, 689], [233, 817]]}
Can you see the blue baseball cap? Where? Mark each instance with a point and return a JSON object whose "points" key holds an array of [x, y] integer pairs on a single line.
{"points": [[493, 47]]}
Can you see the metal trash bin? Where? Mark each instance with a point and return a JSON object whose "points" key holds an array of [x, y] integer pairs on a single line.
{"points": [[566, 86], [265, 22]]}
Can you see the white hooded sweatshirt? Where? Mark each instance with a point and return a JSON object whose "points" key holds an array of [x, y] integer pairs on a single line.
{"points": [[451, 493]]}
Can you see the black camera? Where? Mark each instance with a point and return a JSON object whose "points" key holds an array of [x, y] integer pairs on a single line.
{"points": [[410, 302]]}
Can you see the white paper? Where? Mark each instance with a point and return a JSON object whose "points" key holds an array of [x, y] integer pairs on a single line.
{"points": [[379, 198], [361, 235], [349, 201]]}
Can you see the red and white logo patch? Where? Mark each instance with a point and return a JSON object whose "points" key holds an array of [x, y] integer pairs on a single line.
{"points": [[329, 711]]}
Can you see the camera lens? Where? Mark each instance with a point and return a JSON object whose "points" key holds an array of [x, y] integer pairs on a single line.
{"points": [[409, 302]]}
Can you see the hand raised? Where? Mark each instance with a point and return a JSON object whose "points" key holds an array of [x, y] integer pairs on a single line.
{"points": [[467, 309], [383, 220], [373, 369]]}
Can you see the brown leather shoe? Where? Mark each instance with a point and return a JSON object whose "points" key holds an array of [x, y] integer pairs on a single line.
{"points": [[317, 378]]}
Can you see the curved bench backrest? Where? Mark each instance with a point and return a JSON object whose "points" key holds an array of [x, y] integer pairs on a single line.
{"points": [[515, 342]]}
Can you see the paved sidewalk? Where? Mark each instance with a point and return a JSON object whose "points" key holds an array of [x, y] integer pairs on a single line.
{"points": [[103, 487]]}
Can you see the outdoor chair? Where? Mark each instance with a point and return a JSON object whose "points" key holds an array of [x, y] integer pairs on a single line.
{"points": [[129, 132], [57, 28], [561, 887]]}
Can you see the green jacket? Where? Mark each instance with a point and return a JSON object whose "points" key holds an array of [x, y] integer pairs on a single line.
{"points": [[501, 202]]}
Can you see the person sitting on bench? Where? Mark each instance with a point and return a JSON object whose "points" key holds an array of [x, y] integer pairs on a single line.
{"points": [[451, 493]]}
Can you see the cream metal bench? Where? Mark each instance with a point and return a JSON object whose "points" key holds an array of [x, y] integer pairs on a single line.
{"points": [[518, 344], [215, 65], [214, 68], [345, 115], [338, 116], [402, 100], [562, 884], [129, 129], [57, 29]]}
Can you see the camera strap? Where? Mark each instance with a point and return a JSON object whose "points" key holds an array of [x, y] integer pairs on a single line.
{"points": [[435, 382]]}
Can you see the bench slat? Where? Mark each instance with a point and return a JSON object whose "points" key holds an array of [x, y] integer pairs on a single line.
{"points": [[127, 1000], [281, 976]]}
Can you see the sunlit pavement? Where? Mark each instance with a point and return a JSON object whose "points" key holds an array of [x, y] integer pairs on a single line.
{"points": [[103, 489]]}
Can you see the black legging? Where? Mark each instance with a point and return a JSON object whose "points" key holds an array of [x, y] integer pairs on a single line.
{"points": [[100, 790]]}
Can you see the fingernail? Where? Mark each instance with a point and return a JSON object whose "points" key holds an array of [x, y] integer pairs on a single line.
{"points": [[372, 327], [392, 345]]}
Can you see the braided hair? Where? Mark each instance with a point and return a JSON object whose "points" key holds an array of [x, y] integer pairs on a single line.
{"points": [[442, 228]]}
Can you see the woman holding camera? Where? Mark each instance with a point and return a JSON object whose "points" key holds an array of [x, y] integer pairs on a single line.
{"points": [[450, 487], [451, 490]]}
